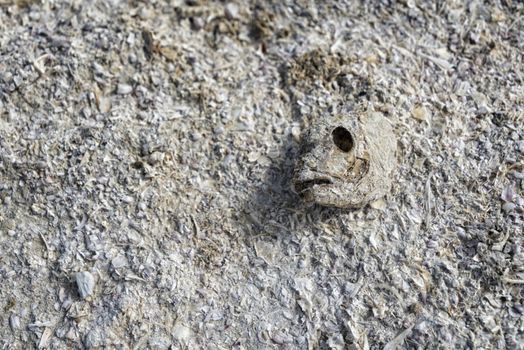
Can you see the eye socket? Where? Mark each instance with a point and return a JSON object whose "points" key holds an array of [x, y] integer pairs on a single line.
{"points": [[342, 139]]}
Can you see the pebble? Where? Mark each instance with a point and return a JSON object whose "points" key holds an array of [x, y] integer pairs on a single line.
{"points": [[86, 283], [132, 58], [281, 338], [71, 334], [197, 23], [196, 136], [104, 104], [507, 194], [508, 206], [14, 322], [128, 199], [521, 146], [181, 333], [379, 204], [35, 16], [124, 89], [119, 261], [295, 133], [219, 129], [156, 157], [86, 111], [231, 11], [420, 113]]}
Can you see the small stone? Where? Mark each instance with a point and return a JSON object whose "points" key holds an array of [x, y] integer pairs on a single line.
{"points": [[281, 338], [508, 206], [181, 333], [132, 58], [253, 156], [71, 334], [128, 199], [119, 262], [145, 13], [86, 111], [104, 104], [379, 204], [231, 11], [411, 4], [372, 58], [131, 39], [156, 157], [295, 133], [35, 16], [86, 283], [497, 15], [219, 129], [197, 23], [517, 174], [196, 136], [507, 194], [521, 146], [14, 322], [273, 153], [124, 89], [419, 113]]}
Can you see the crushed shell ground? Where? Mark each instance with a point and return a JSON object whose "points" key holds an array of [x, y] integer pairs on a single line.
{"points": [[146, 154]]}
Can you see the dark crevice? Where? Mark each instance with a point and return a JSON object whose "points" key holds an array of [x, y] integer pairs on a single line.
{"points": [[302, 185]]}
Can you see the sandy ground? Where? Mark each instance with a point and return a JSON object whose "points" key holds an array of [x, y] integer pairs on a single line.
{"points": [[149, 146]]}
